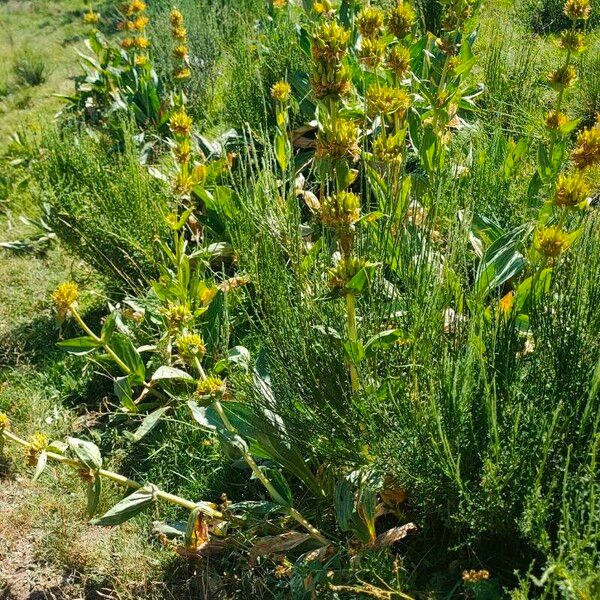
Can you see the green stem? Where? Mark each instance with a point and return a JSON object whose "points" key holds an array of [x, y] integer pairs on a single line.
{"points": [[121, 479], [351, 320], [266, 482]]}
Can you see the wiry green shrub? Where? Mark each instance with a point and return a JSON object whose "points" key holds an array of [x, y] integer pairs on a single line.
{"points": [[104, 205]]}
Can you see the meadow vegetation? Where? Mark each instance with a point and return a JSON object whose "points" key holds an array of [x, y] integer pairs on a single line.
{"points": [[306, 301]]}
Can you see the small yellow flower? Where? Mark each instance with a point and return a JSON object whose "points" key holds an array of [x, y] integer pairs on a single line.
{"points": [[182, 74], [91, 17], [212, 387], [562, 78], [387, 101], [507, 302], [179, 33], [473, 576], [573, 41], [551, 241], [181, 123], [127, 43], [181, 51], [281, 91], [141, 43], [190, 346], [38, 443], [177, 315], [137, 6], [555, 120], [370, 21], [577, 10], [400, 19], [65, 297], [176, 18], [140, 23], [141, 60], [571, 190], [279, 3], [587, 149], [183, 151], [398, 60], [341, 210], [4, 421]]}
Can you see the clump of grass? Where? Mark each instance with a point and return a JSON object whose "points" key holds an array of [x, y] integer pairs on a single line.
{"points": [[29, 67]]}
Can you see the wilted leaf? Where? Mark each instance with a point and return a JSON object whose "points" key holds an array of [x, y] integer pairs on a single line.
{"points": [[277, 544], [41, 465], [391, 536]]}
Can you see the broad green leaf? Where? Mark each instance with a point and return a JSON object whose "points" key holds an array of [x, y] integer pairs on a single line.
{"points": [[127, 508], [109, 327], [80, 345], [205, 416], [124, 393], [94, 490], [280, 484], [236, 356], [149, 423], [87, 452], [382, 340], [123, 347], [232, 441], [42, 461], [166, 372]]}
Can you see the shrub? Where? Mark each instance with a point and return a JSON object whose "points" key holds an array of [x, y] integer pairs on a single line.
{"points": [[104, 204], [29, 68]]}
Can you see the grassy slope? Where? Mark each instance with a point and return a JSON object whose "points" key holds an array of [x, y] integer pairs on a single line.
{"points": [[47, 548]]}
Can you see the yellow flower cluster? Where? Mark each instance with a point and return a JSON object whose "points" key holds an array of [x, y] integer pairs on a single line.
{"points": [[370, 21], [181, 123], [181, 51], [38, 443], [571, 191], [551, 241], [341, 210], [400, 20], [177, 315], [281, 91], [211, 387], [577, 10], [398, 60], [383, 100], [135, 21], [338, 142], [65, 297], [190, 346], [91, 17], [4, 421], [587, 149]]}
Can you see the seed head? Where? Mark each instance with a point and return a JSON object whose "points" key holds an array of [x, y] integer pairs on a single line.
{"points": [[587, 149], [65, 297], [571, 190], [340, 211], [190, 346], [370, 21], [330, 42], [387, 101], [281, 91], [181, 123], [211, 387], [345, 271], [562, 78], [551, 241], [577, 10], [400, 19], [398, 60]]}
